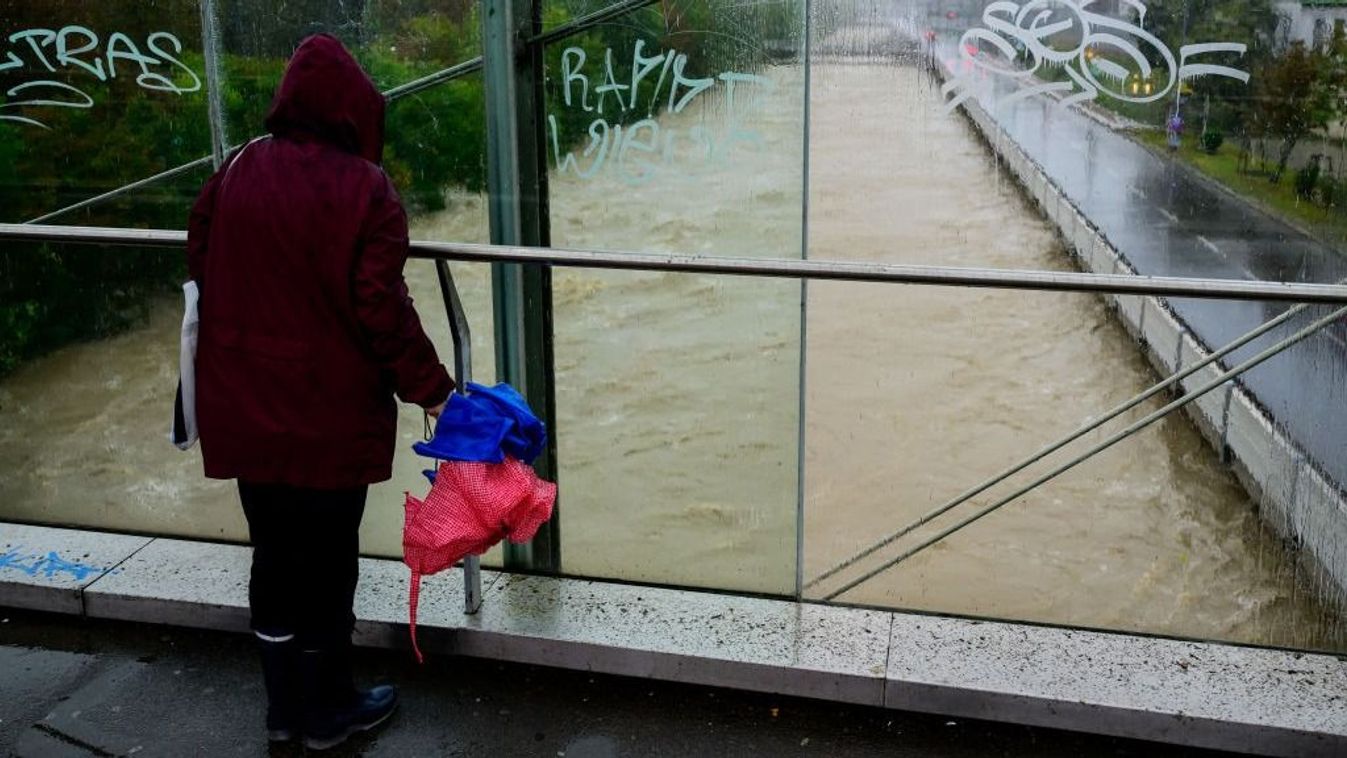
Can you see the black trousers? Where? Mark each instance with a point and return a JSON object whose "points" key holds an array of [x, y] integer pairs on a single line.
{"points": [[306, 547]]}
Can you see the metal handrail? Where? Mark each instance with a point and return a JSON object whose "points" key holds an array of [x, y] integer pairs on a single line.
{"points": [[459, 330], [601, 16], [473, 65], [1016, 279], [470, 66], [441, 252], [125, 188], [994, 278]]}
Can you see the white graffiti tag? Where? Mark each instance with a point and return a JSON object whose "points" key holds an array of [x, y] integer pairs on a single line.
{"points": [[650, 149], [77, 50], [1100, 55]]}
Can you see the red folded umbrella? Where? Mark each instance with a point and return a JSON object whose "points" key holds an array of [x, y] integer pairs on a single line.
{"points": [[471, 507]]}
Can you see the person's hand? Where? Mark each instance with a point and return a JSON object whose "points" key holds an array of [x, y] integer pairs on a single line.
{"points": [[435, 411]]}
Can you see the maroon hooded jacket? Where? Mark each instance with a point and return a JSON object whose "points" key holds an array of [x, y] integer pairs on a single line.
{"points": [[307, 331]]}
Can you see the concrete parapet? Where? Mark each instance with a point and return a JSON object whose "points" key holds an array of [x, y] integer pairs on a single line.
{"points": [[1208, 695], [47, 569]]}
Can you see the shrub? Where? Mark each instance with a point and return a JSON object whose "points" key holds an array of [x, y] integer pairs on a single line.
{"points": [[1212, 139], [1307, 178], [1330, 191]]}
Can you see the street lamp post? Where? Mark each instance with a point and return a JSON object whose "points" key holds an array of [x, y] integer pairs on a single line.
{"points": [[1174, 126], [1178, 83]]}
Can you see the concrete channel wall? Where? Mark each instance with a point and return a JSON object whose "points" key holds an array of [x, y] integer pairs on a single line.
{"points": [[1296, 499]]}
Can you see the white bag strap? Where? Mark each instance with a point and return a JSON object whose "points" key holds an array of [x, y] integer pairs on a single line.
{"points": [[224, 180], [184, 428]]}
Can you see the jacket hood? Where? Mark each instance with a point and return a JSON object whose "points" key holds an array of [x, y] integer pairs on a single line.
{"points": [[325, 95]]}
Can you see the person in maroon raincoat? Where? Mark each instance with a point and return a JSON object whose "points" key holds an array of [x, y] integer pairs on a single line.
{"points": [[297, 244]]}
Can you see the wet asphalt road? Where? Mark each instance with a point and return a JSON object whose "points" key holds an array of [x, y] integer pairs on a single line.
{"points": [[72, 687], [1168, 221]]}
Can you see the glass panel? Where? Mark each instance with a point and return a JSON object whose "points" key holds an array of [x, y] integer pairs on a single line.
{"points": [[1157, 534], [1201, 142], [106, 463], [84, 435], [396, 43], [95, 98], [679, 128], [1176, 531], [434, 152], [437, 161]]}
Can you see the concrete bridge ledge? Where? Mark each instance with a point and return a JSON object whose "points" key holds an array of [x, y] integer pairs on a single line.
{"points": [[1321, 520], [1190, 693]]}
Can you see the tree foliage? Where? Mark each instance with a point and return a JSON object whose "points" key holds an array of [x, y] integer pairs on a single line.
{"points": [[1292, 99], [1253, 23]]}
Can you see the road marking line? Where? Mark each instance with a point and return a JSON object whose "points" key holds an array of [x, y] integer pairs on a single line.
{"points": [[1208, 244], [1172, 218]]}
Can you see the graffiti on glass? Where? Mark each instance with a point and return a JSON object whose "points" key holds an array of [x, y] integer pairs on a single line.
{"points": [[642, 150], [50, 565], [37, 54], [1101, 55]]}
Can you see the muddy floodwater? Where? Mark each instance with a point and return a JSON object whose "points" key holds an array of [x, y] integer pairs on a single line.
{"points": [[678, 406]]}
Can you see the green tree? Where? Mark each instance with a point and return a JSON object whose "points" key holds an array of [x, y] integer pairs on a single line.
{"points": [[1292, 99], [1253, 23], [1333, 75]]}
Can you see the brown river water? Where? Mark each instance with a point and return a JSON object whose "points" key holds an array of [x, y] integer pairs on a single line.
{"points": [[678, 396]]}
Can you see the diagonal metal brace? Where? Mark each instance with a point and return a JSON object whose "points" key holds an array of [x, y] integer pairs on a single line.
{"points": [[1116, 438]]}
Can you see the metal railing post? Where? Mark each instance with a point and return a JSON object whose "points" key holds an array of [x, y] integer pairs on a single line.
{"points": [[517, 203], [462, 337], [219, 139], [802, 382]]}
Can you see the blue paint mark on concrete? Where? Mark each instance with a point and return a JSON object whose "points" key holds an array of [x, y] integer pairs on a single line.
{"points": [[49, 565]]}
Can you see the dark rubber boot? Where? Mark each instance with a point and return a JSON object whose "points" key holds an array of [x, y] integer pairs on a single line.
{"points": [[333, 708], [280, 672]]}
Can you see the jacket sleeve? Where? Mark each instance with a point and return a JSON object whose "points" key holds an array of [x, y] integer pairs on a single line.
{"points": [[199, 221], [384, 308], [198, 229]]}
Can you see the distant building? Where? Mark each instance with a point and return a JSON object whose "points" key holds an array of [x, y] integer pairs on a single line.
{"points": [[1312, 23]]}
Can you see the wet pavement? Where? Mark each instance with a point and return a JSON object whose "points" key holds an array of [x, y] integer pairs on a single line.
{"points": [[84, 688], [1167, 220]]}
